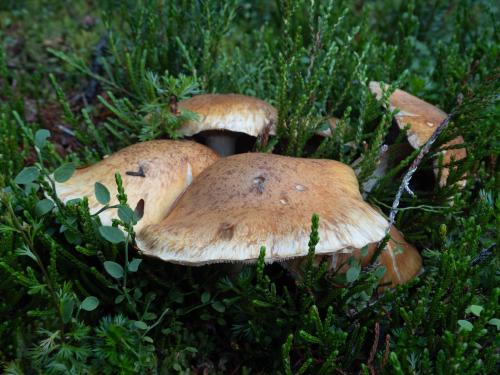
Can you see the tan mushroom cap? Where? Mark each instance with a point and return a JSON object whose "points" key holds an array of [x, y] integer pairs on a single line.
{"points": [[154, 172], [449, 156], [232, 112], [423, 119], [401, 260], [246, 201]]}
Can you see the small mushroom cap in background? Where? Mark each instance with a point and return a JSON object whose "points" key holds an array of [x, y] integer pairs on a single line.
{"points": [[154, 174], [246, 201], [423, 118], [401, 260], [449, 156], [230, 112]]}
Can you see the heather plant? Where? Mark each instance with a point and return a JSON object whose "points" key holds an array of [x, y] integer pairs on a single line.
{"points": [[79, 81]]}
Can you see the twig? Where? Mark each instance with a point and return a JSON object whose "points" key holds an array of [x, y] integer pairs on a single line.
{"points": [[374, 349], [413, 168], [386, 351]]}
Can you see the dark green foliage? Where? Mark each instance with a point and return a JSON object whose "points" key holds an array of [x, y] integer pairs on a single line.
{"points": [[77, 298]]}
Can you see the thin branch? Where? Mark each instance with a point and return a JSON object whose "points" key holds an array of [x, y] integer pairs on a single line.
{"points": [[374, 349], [413, 168]]}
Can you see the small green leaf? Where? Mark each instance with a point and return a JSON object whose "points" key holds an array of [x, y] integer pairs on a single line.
{"points": [[25, 251], [126, 214], [474, 309], [218, 306], [465, 325], [380, 272], [205, 297], [90, 303], [141, 325], [114, 269], [27, 175], [119, 299], [137, 293], [308, 337], [101, 193], [112, 234], [149, 316], [67, 306], [495, 322], [40, 138], [64, 172], [44, 206], [364, 251], [133, 266], [205, 316], [352, 273]]}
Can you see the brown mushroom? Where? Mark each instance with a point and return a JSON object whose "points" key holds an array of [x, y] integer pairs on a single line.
{"points": [[154, 174], [222, 116], [423, 119], [246, 201], [401, 260]]}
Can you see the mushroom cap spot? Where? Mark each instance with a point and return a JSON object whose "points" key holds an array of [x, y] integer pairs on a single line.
{"points": [[168, 166], [197, 229], [423, 119], [232, 112]]}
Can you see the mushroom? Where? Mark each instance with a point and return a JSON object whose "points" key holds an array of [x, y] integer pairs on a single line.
{"points": [[246, 201], [222, 116], [401, 260], [423, 119], [154, 174]]}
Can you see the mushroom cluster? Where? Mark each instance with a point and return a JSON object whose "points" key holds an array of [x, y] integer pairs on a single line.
{"points": [[201, 207]]}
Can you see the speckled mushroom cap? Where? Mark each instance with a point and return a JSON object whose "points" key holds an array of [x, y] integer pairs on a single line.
{"points": [[423, 119], [232, 112], [154, 174], [401, 260], [246, 201]]}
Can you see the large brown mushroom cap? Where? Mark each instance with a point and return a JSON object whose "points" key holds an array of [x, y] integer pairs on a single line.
{"points": [[423, 119], [231, 112], [246, 201], [154, 172]]}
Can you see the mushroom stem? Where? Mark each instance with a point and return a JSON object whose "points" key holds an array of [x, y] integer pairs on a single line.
{"points": [[222, 143]]}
